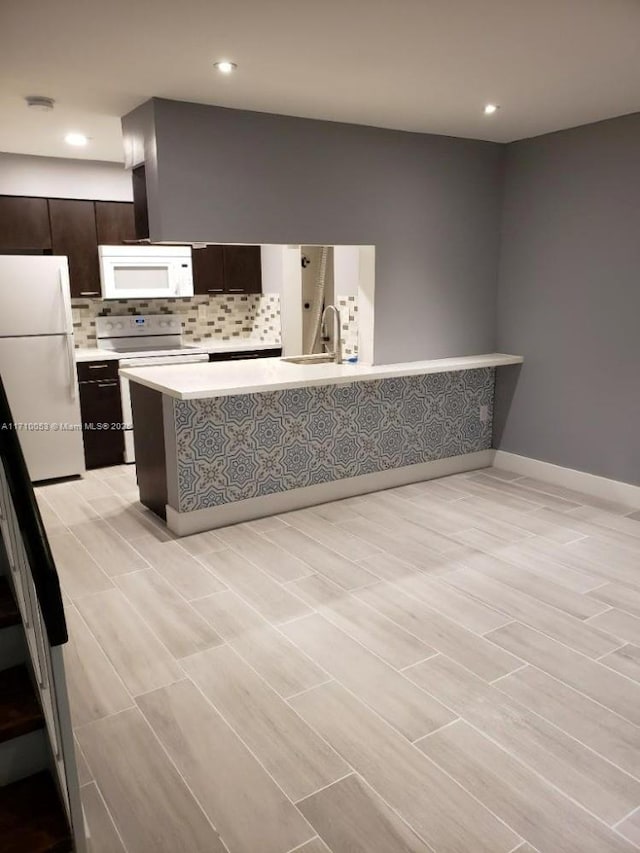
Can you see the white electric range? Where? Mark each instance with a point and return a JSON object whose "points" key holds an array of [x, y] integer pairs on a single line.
{"points": [[143, 340]]}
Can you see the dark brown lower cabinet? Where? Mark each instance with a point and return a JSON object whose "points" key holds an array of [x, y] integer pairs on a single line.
{"points": [[276, 352], [101, 409], [151, 462]]}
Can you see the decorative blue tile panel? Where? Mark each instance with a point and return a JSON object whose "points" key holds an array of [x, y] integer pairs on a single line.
{"points": [[233, 448]]}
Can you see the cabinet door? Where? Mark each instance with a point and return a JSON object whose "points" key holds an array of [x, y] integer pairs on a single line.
{"points": [[38, 377], [100, 404], [115, 222], [97, 371], [208, 270], [274, 352], [24, 223], [140, 206], [242, 269], [73, 233]]}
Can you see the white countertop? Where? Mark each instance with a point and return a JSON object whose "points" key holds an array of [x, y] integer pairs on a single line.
{"points": [[222, 379], [244, 345], [94, 354]]}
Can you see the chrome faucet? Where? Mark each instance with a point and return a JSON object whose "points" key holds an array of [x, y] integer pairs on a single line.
{"points": [[337, 345]]}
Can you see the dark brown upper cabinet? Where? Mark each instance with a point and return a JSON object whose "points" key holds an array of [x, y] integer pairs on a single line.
{"points": [[76, 228], [24, 224], [208, 270], [227, 269], [242, 269], [140, 204], [73, 233], [115, 222]]}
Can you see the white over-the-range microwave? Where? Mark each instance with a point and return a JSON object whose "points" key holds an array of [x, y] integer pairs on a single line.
{"points": [[145, 272]]}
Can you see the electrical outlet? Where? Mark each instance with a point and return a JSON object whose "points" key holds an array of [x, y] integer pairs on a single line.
{"points": [[484, 413]]}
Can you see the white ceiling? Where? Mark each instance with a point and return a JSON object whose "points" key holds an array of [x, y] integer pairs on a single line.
{"points": [[423, 65]]}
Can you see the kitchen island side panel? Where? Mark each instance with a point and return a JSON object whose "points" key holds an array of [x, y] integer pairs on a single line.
{"points": [[244, 446], [149, 442]]}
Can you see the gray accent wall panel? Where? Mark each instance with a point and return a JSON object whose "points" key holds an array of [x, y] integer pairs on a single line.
{"points": [[569, 298], [140, 146], [430, 205]]}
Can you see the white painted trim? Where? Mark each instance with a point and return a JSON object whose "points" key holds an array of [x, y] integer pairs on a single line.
{"points": [[186, 523], [290, 298], [580, 481], [65, 763], [366, 303]]}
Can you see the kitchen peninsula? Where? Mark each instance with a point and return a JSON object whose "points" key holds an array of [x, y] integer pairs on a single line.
{"points": [[223, 443]]}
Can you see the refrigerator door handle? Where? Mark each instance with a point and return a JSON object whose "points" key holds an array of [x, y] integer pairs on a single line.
{"points": [[63, 278], [72, 367], [65, 295]]}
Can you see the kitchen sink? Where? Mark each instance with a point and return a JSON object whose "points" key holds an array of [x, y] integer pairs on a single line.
{"points": [[314, 358]]}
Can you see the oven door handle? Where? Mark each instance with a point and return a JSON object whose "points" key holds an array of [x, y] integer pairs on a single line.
{"points": [[161, 361]]}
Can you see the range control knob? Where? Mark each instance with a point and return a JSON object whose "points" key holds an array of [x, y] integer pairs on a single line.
{"points": [[109, 325], [163, 324], [118, 325]]}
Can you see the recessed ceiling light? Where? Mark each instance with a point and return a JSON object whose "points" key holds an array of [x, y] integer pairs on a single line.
{"points": [[490, 109], [224, 66], [77, 139]]}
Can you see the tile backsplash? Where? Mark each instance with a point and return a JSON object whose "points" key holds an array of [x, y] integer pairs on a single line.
{"points": [[300, 437], [348, 306], [227, 317]]}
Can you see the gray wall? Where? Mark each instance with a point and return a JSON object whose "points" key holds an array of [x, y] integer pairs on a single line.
{"points": [[58, 177], [569, 298], [567, 258], [140, 146], [430, 205]]}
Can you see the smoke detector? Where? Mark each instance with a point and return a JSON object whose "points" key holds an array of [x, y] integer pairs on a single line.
{"points": [[40, 102]]}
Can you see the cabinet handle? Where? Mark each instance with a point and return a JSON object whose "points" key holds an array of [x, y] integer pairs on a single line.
{"points": [[97, 366], [107, 384], [215, 290], [236, 290], [89, 293]]}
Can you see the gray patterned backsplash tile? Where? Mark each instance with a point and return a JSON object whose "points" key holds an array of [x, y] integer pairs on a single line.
{"points": [[254, 316], [243, 446]]}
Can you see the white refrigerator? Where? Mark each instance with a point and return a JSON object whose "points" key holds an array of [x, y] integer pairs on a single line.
{"points": [[37, 363]]}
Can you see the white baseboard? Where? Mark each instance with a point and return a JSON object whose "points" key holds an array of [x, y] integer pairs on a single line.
{"points": [[580, 481], [186, 523]]}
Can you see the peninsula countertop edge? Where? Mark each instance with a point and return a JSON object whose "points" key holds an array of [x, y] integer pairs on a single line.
{"points": [[222, 379]]}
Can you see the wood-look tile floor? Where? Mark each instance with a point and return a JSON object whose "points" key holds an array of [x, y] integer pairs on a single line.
{"points": [[451, 666]]}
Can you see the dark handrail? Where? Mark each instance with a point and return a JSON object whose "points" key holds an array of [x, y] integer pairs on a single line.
{"points": [[34, 537]]}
